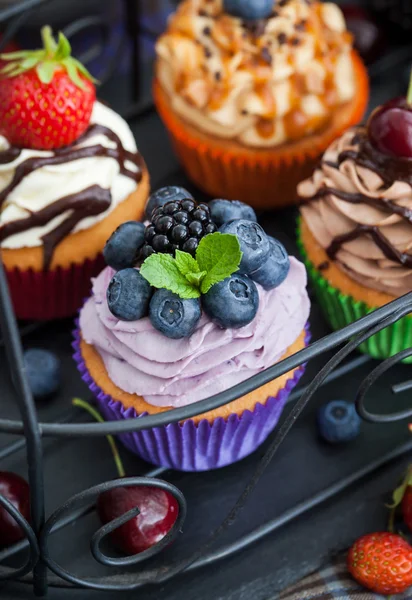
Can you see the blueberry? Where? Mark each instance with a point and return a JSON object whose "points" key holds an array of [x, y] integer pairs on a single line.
{"points": [[122, 248], [338, 422], [274, 271], [43, 370], [223, 211], [233, 302], [174, 317], [249, 9], [128, 295], [254, 243], [164, 195]]}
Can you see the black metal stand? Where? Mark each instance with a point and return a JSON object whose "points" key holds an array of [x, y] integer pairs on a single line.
{"points": [[40, 569]]}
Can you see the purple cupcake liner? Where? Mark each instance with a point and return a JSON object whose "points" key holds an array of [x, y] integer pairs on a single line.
{"points": [[189, 446]]}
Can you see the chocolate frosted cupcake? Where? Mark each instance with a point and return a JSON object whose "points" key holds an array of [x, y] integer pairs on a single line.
{"points": [[70, 173], [356, 225], [197, 318], [252, 93]]}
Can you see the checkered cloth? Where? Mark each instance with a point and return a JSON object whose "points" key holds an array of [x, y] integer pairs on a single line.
{"points": [[332, 583]]}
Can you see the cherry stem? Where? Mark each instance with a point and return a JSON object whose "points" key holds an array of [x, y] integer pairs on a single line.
{"points": [[98, 417], [409, 96]]}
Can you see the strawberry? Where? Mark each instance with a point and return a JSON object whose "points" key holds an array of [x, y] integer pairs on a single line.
{"points": [[381, 562], [407, 507], [46, 96]]}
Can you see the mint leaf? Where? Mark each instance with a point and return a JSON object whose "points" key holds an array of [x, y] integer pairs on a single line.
{"points": [[219, 255], [186, 263], [196, 278], [161, 271]]}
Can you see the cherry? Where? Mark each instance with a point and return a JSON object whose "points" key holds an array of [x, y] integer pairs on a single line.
{"points": [[368, 37], [15, 489], [158, 514], [390, 128], [158, 509]]}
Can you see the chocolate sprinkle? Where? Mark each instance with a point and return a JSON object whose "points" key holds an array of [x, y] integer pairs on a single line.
{"points": [[207, 31], [266, 55], [282, 38], [323, 266], [301, 26]]}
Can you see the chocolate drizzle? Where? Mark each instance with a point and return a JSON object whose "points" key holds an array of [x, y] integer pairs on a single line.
{"points": [[380, 240], [89, 202], [389, 170]]}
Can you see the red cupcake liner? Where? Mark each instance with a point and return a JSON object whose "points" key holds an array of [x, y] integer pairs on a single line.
{"points": [[54, 294]]}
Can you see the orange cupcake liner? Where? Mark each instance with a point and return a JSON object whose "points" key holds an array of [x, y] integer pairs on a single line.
{"points": [[264, 179]]}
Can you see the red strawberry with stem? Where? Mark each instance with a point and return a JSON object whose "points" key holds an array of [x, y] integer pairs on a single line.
{"points": [[381, 562], [158, 510], [46, 96]]}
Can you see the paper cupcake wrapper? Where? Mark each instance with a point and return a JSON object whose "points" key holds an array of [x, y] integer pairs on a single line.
{"points": [[189, 446], [54, 294], [263, 179], [341, 310]]}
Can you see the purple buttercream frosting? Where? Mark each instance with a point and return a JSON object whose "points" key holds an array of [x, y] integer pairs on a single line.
{"points": [[166, 372]]}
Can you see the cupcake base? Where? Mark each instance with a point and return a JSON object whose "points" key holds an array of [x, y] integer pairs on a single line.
{"points": [[206, 442], [59, 291], [263, 178], [344, 301]]}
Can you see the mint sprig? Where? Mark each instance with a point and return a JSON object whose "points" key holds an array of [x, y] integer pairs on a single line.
{"points": [[218, 256]]}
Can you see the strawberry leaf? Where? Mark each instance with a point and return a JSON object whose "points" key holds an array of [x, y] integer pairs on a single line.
{"points": [[45, 71]]}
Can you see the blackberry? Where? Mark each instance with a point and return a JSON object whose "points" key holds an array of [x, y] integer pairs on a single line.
{"points": [[177, 225]]}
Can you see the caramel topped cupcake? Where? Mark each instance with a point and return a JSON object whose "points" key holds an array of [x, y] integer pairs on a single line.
{"points": [[268, 86], [261, 83]]}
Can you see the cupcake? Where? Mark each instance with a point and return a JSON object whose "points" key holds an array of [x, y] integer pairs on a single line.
{"points": [[253, 92], [205, 311], [70, 173], [356, 225]]}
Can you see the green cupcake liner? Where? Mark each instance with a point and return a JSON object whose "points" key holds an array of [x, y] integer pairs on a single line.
{"points": [[341, 310]]}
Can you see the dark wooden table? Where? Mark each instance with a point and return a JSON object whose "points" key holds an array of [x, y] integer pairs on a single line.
{"points": [[305, 536]]}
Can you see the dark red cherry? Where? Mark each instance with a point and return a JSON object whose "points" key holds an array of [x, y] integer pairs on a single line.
{"points": [[15, 489], [390, 128], [158, 514]]}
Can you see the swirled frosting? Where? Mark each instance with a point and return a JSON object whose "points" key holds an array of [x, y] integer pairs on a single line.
{"points": [[261, 83], [358, 206], [40, 191], [173, 373]]}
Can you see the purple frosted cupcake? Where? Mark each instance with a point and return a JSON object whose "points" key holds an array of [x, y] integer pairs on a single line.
{"points": [[203, 311]]}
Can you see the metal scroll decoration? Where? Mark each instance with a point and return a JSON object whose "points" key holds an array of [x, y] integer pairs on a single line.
{"points": [[40, 561], [39, 568]]}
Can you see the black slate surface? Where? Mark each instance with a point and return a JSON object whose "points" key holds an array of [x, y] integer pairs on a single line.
{"points": [[303, 467]]}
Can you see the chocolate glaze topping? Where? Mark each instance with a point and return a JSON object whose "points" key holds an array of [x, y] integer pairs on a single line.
{"points": [[89, 202], [389, 169]]}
